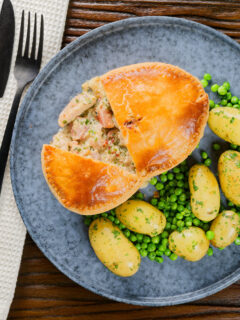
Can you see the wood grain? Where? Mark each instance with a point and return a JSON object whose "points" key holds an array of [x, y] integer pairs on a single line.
{"points": [[42, 291]]}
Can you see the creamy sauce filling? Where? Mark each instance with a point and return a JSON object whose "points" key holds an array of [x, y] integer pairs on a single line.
{"points": [[94, 133]]}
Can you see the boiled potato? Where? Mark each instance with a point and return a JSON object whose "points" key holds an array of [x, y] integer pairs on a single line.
{"points": [[229, 175], [225, 123], [226, 228], [190, 244], [141, 217], [205, 194], [113, 249]]}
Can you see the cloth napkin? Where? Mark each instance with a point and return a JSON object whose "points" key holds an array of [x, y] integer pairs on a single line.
{"points": [[12, 229]]}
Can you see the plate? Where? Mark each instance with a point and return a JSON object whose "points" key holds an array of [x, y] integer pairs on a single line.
{"points": [[62, 235]]}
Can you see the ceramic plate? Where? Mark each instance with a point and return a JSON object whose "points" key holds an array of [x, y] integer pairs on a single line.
{"points": [[62, 235]]}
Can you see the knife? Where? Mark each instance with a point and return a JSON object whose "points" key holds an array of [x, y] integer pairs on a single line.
{"points": [[7, 31]]}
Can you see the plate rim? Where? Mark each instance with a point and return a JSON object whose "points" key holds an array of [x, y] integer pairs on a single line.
{"points": [[30, 95]]}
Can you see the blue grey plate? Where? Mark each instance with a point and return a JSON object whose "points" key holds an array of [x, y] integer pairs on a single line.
{"points": [[60, 234]]}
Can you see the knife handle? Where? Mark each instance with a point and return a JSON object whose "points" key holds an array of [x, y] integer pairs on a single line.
{"points": [[6, 142]]}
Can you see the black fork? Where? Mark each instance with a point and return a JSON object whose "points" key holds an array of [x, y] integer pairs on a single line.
{"points": [[26, 69]]}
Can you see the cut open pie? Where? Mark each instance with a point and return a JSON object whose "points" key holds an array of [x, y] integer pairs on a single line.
{"points": [[126, 126]]}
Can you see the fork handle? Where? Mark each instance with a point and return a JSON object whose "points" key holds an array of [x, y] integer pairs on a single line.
{"points": [[8, 134]]}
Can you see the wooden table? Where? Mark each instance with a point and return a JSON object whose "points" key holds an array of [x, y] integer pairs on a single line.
{"points": [[42, 291]]}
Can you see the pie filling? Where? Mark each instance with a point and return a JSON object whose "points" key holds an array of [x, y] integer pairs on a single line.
{"points": [[89, 128]]}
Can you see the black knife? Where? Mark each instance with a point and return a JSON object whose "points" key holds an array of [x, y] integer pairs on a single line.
{"points": [[7, 31]]}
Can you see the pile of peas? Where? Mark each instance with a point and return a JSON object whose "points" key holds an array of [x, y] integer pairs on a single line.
{"points": [[172, 195]]}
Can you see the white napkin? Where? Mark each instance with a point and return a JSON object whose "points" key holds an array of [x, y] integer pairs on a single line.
{"points": [[12, 230]]}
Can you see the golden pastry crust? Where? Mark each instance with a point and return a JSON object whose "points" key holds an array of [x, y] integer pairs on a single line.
{"points": [[84, 185], [161, 111]]}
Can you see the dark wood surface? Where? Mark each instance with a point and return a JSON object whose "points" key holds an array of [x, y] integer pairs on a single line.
{"points": [[42, 291]]}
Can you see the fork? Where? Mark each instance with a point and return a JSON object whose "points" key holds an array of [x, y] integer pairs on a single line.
{"points": [[26, 69]]}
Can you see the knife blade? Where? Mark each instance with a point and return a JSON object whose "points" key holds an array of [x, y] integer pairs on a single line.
{"points": [[7, 31]]}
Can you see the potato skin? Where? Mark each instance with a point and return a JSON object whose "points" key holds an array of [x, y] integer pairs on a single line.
{"points": [[141, 217], [229, 175], [190, 244], [113, 249], [226, 228], [225, 123], [205, 194]]}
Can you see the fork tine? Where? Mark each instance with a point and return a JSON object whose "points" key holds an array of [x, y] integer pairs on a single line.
{"points": [[34, 38], [40, 49], [20, 43], [28, 37]]}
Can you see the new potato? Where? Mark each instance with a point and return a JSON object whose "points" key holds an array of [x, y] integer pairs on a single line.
{"points": [[225, 228], [113, 249], [225, 123], [205, 194], [190, 244], [229, 175], [141, 217]]}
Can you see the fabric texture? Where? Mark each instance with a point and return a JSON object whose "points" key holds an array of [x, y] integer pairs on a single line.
{"points": [[12, 229]]}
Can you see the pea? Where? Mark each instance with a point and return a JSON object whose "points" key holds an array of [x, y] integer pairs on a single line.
{"points": [[207, 76], [211, 104], [167, 252], [138, 246], [146, 239], [159, 259], [164, 235], [174, 206], [214, 87], [159, 253], [111, 218], [87, 221], [105, 214], [196, 222], [188, 223], [204, 83], [140, 196], [170, 176], [153, 181], [234, 100], [173, 198], [156, 239], [182, 197], [168, 226], [176, 170], [204, 155], [237, 241], [151, 247], [143, 253], [127, 233], [159, 186], [210, 235], [229, 104], [216, 146], [161, 205], [180, 223], [236, 106], [210, 252], [179, 176], [154, 201], [173, 257], [208, 162], [180, 207], [144, 245], [121, 226], [152, 255], [173, 227], [163, 177], [222, 90], [233, 146], [139, 237], [133, 238], [116, 221], [179, 216], [226, 84], [224, 102]]}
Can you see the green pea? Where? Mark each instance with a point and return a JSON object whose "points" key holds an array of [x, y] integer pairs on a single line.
{"points": [[87, 221], [230, 204], [182, 197], [121, 226], [229, 96], [170, 176], [152, 255], [143, 253], [217, 105], [208, 162], [180, 223], [176, 170], [140, 196], [116, 221], [226, 84], [164, 242], [105, 214], [168, 226], [161, 205], [211, 104], [207, 76], [151, 247], [237, 241], [214, 87], [210, 252], [139, 237], [224, 102], [138, 246], [164, 236], [111, 218], [159, 253], [167, 252], [233, 146], [237, 106], [234, 100], [159, 186], [173, 227], [163, 177], [210, 235], [133, 238], [196, 222], [180, 207], [204, 83], [205, 226], [146, 239], [173, 198], [154, 201], [162, 248], [179, 216], [216, 146], [173, 257], [153, 181], [127, 233], [156, 239], [229, 104], [174, 206], [159, 259], [204, 155], [188, 223], [179, 176], [180, 184], [144, 245], [222, 90]]}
